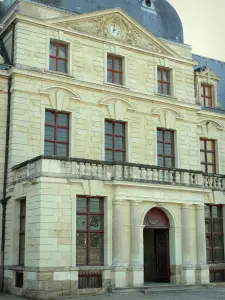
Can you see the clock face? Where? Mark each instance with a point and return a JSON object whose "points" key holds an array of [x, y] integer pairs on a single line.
{"points": [[114, 30]]}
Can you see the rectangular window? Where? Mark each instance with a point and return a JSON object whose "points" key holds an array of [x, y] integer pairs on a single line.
{"points": [[56, 133], [114, 69], [115, 139], [214, 233], [165, 148], [164, 84], [22, 232], [208, 157], [58, 57], [90, 231], [206, 95]]}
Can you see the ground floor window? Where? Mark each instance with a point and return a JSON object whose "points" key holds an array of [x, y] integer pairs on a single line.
{"points": [[90, 231]]}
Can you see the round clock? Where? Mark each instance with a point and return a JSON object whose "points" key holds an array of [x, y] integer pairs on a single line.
{"points": [[114, 30]]}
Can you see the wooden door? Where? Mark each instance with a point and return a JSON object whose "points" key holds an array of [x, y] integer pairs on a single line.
{"points": [[162, 255]]}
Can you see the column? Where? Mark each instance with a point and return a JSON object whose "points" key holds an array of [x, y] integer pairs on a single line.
{"points": [[119, 268], [136, 245], [188, 269], [202, 269]]}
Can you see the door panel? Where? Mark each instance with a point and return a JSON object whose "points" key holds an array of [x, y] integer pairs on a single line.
{"points": [[162, 255]]}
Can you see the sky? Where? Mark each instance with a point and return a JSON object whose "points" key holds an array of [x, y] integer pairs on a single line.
{"points": [[204, 26]]}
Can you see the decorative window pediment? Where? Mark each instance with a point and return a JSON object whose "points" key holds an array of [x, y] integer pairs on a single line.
{"points": [[206, 87]]}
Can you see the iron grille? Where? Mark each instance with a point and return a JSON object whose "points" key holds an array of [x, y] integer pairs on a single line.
{"points": [[89, 280]]}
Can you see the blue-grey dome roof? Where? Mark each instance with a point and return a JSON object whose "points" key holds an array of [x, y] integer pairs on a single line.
{"points": [[160, 18]]}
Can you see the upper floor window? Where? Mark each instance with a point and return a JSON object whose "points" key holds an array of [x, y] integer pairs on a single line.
{"points": [[206, 95], [208, 157], [56, 133], [90, 231], [22, 232], [164, 83], [165, 148], [115, 139], [114, 69], [214, 233], [58, 60]]}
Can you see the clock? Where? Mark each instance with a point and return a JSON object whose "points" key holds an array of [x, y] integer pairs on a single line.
{"points": [[114, 30]]}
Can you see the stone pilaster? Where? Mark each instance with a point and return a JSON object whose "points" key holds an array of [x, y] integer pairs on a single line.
{"points": [[202, 269]]}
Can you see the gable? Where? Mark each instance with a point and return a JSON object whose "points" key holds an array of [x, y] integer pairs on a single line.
{"points": [[207, 73], [131, 33]]}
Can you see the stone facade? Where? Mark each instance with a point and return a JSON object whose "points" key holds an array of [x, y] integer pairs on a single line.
{"points": [[51, 186]]}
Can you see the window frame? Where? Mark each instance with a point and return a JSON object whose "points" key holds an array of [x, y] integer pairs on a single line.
{"points": [[114, 71], [114, 135], [205, 151], [164, 155], [55, 126], [212, 234], [162, 82], [22, 232], [88, 231], [204, 97], [57, 57]]}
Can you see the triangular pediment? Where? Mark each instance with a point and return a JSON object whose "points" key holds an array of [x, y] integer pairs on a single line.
{"points": [[207, 73], [130, 32]]}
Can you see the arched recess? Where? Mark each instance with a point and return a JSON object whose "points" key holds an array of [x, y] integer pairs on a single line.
{"points": [[208, 128], [156, 219], [117, 107]]}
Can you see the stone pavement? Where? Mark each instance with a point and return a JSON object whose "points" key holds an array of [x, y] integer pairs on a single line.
{"points": [[215, 293]]}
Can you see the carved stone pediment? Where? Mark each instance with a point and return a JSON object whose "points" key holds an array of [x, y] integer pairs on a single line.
{"points": [[98, 23]]}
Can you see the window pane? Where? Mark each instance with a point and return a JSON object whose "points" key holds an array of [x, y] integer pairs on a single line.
{"points": [[96, 205], [210, 145], [202, 144], [206, 91], [62, 66], [214, 211], [21, 257], [203, 168], [168, 162], [160, 148], [117, 78], [22, 224], [159, 135], [203, 156], [207, 226], [160, 88], [108, 141], [168, 136], [95, 249], [108, 127], [160, 162], [108, 155], [52, 64], [53, 49], [217, 226], [61, 150], [62, 135], [119, 143], [166, 89], [208, 241], [81, 205], [62, 51], [207, 211], [211, 169], [208, 255], [218, 241], [118, 129], [119, 156], [81, 243], [218, 255], [49, 148], [96, 223], [168, 149], [49, 117], [219, 212], [210, 158], [117, 64], [109, 76], [62, 119], [49, 133], [166, 75], [109, 62], [81, 222]]}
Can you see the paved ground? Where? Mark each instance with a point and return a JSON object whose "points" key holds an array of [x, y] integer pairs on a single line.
{"points": [[201, 294]]}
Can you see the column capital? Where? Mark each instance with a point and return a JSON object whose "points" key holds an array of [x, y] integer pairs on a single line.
{"points": [[117, 202], [186, 205], [134, 203], [199, 205]]}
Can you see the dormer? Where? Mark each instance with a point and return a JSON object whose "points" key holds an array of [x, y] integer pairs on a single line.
{"points": [[206, 87]]}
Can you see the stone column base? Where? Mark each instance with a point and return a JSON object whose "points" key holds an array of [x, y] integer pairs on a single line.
{"points": [[119, 277], [136, 276], [188, 275], [202, 274]]}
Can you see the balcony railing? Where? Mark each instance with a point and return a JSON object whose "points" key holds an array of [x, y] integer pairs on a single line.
{"points": [[76, 168]]}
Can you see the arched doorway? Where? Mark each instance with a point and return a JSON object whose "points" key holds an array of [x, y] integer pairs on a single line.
{"points": [[156, 246]]}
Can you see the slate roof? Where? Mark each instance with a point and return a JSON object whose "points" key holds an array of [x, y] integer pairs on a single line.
{"points": [[218, 67]]}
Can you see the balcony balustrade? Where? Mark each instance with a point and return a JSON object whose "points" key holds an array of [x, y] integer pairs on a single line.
{"points": [[76, 168]]}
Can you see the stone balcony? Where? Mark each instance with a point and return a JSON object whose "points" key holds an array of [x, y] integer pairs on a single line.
{"points": [[77, 168]]}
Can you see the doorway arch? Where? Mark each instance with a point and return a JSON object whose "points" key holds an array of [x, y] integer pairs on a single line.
{"points": [[156, 246]]}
